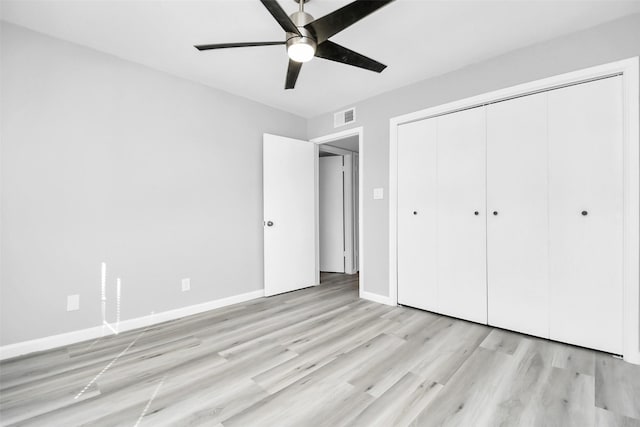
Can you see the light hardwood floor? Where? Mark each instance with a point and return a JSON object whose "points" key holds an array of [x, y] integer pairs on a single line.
{"points": [[319, 357]]}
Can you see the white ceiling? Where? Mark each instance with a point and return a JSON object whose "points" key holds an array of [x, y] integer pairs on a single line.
{"points": [[417, 39]]}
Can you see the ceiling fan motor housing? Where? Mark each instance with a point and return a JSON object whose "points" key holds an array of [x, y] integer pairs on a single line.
{"points": [[300, 19]]}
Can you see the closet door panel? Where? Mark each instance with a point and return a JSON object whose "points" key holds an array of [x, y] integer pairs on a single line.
{"points": [[517, 234], [461, 251], [586, 205], [417, 154]]}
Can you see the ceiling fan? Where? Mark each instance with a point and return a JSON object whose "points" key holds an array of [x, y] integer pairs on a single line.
{"points": [[306, 37]]}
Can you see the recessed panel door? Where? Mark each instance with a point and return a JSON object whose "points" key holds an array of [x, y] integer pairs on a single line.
{"points": [[461, 240], [585, 210], [517, 217], [417, 263]]}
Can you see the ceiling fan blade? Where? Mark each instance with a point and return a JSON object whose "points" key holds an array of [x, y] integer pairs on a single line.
{"points": [[228, 45], [334, 52], [336, 21], [281, 16], [292, 74]]}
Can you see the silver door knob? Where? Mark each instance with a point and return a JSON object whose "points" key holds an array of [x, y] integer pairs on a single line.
{"points": [[269, 223]]}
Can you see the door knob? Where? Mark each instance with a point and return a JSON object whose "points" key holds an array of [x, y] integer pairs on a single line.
{"points": [[476, 213], [269, 223], [415, 212], [585, 213], [495, 213]]}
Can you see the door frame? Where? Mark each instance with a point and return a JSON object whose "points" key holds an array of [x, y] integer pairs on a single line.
{"points": [[359, 131], [629, 70], [349, 204], [341, 169]]}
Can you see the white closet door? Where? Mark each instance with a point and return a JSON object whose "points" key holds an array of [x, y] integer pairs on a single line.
{"points": [[585, 204], [417, 154], [461, 251], [517, 224]]}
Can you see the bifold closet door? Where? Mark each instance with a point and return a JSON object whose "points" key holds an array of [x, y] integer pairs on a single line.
{"points": [[585, 214], [517, 225], [461, 217], [417, 154]]}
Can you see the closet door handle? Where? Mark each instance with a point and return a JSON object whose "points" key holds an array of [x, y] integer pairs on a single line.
{"points": [[584, 213], [415, 212], [476, 213], [495, 213]]}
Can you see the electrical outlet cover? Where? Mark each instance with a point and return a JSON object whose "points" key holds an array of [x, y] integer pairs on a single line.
{"points": [[73, 302]]}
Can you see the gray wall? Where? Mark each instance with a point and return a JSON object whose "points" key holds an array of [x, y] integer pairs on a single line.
{"points": [[610, 42], [106, 160]]}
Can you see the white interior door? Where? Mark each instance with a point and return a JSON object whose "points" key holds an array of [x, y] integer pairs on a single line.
{"points": [[289, 214], [517, 223], [461, 251], [331, 212], [585, 207], [417, 266]]}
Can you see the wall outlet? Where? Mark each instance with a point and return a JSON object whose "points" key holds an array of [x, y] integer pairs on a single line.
{"points": [[73, 302], [378, 193], [186, 285]]}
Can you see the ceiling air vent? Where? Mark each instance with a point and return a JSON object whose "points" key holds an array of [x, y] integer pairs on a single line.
{"points": [[344, 117]]}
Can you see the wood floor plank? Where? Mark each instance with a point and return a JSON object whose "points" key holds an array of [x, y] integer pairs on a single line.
{"points": [[400, 404], [526, 377], [501, 340], [19, 369], [606, 418], [449, 349], [396, 364], [294, 406], [470, 392], [575, 359], [568, 400], [318, 357], [617, 386], [342, 413]]}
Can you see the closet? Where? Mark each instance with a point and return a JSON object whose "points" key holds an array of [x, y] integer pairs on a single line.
{"points": [[510, 214]]}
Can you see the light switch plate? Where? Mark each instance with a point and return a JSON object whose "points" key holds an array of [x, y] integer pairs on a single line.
{"points": [[73, 302], [186, 285], [378, 193]]}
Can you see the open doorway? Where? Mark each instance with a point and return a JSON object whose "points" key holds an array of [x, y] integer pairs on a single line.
{"points": [[338, 224]]}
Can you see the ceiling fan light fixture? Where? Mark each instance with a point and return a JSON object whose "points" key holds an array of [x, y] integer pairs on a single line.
{"points": [[301, 46], [301, 51], [307, 37]]}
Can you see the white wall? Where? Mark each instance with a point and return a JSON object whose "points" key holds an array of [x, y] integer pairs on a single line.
{"points": [[606, 43], [106, 160]]}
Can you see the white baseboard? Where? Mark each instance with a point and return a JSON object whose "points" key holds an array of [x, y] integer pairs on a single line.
{"points": [[376, 298], [47, 343]]}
